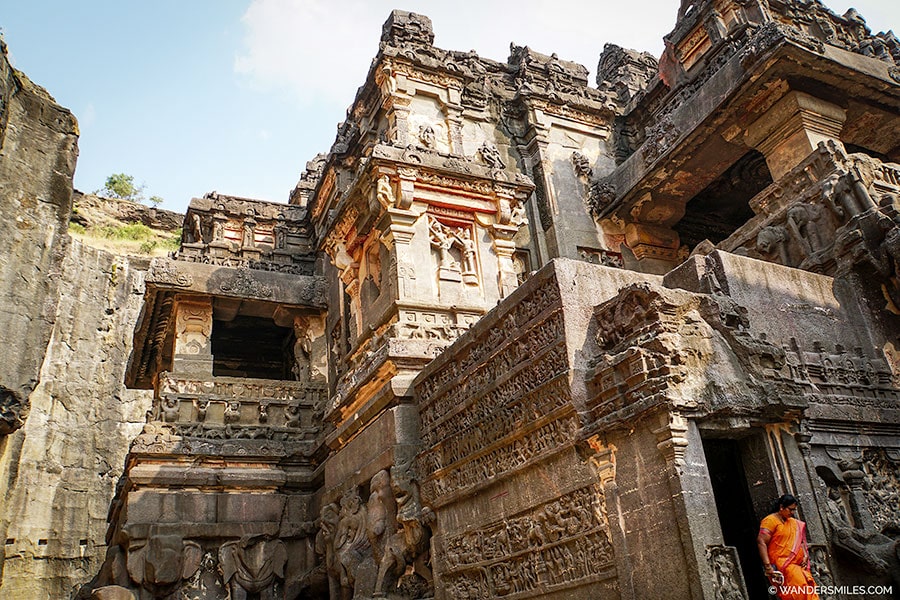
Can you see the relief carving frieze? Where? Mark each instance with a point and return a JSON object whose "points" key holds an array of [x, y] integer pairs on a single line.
{"points": [[553, 546], [297, 268], [515, 357], [543, 298], [166, 272], [243, 283], [486, 468]]}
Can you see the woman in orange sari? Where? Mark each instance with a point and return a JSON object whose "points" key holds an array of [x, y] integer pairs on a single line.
{"points": [[784, 552]]}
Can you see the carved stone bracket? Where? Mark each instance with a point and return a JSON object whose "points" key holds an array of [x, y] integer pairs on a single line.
{"points": [[672, 437]]}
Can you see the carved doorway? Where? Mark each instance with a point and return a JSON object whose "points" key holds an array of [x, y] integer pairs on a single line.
{"points": [[725, 460]]}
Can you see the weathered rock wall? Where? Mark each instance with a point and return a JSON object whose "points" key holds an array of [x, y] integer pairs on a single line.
{"points": [[59, 471], [91, 210], [38, 149], [67, 313]]}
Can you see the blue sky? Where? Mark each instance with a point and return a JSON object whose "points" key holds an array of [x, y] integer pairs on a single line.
{"points": [[190, 96]]}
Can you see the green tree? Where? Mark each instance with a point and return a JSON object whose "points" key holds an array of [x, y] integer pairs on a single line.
{"points": [[156, 201], [121, 185]]}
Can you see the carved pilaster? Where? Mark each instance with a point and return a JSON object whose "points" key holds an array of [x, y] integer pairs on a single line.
{"points": [[672, 438], [505, 249], [603, 464], [397, 236], [193, 329], [398, 116], [454, 122]]}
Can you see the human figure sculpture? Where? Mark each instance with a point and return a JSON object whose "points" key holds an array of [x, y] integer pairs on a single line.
{"points": [[384, 193], [218, 230], [382, 514], [847, 195], [805, 223], [443, 241], [350, 541], [427, 137], [280, 232], [491, 156], [196, 232], [470, 261], [247, 235], [302, 362]]}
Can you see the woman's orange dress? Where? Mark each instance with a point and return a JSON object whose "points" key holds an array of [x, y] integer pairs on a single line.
{"points": [[789, 553]]}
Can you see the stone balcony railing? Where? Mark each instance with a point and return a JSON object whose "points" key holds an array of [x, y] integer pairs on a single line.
{"points": [[238, 403]]}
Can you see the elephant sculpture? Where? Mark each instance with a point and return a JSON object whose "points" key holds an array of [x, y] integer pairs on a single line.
{"points": [[162, 563], [251, 565]]}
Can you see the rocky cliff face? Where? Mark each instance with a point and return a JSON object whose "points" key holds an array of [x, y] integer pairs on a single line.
{"points": [[91, 210], [38, 150], [60, 469], [67, 313]]}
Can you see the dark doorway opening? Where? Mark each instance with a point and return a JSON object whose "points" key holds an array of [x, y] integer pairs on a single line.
{"points": [[734, 505], [252, 347], [724, 205]]}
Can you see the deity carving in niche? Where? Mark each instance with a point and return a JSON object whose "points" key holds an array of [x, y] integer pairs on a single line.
{"points": [[427, 136], [491, 156], [457, 250], [302, 347], [280, 232], [196, 230], [247, 234], [218, 228]]}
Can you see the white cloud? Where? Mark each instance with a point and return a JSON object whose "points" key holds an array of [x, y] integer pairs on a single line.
{"points": [[321, 52]]}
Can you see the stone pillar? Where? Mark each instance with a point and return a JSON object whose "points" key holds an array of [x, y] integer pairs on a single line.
{"points": [[692, 498], [603, 463], [792, 128], [454, 115], [193, 331], [398, 232], [397, 108], [505, 248]]}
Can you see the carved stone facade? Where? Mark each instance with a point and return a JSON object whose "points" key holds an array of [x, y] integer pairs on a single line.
{"points": [[515, 336]]}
